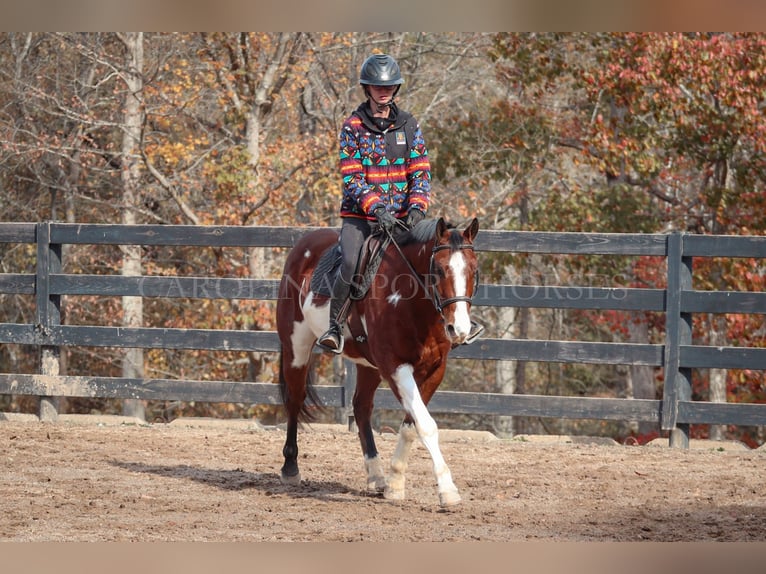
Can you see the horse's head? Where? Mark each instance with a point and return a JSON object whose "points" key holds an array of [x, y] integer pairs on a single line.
{"points": [[454, 277]]}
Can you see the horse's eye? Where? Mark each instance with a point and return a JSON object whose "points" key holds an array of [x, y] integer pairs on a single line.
{"points": [[438, 270]]}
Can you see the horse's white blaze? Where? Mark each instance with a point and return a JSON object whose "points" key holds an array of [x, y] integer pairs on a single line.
{"points": [[307, 254], [427, 431], [462, 317]]}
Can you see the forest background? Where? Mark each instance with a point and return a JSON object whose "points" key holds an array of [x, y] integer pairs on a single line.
{"points": [[593, 132]]}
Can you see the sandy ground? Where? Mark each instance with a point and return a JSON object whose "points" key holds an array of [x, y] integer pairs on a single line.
{"points": [[198, 480]]}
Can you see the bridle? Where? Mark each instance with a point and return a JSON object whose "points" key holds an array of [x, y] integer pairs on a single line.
{"points": [[436, 299], [430, 287]]}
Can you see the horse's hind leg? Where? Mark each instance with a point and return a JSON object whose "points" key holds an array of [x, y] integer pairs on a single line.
{"points": [[367, 380], [293, 400], [293, 380], [290, 473]]}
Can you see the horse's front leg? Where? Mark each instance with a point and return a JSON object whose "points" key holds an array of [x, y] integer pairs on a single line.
{"points": [[367, 380], [429, 434]]}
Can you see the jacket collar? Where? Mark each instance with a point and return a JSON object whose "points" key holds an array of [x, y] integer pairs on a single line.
{"points": [[395, 120]]}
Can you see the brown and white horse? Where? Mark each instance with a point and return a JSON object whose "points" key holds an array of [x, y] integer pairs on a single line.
{"points": [[417, 308]]}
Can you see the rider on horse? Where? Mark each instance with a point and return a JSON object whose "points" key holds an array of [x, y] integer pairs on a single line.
{"points": [[386, 177]]}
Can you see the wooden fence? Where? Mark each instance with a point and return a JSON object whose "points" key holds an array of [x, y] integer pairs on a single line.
{"points": [[677, 356]]}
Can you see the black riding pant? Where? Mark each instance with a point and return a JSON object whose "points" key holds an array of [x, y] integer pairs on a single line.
{"points": [[353, 232]]}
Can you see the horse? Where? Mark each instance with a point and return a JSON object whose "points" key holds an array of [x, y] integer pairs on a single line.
{"points": [[415, 311]]}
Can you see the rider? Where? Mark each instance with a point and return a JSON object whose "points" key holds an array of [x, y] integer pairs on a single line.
{"points": [[386, 177]]}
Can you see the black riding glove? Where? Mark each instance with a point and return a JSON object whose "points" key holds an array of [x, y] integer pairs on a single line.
{"points": [[414, 217], [385, 219]]}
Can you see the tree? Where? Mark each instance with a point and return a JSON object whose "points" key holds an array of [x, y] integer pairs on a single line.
{"points": [[672, 122], [133, 309], [686, 124]]}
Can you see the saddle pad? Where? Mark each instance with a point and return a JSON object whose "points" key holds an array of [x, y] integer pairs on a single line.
{"points": [[328, 267], [326, 270]]}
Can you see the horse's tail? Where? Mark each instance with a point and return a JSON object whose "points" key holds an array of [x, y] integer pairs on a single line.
{"points": [[306, 413]]}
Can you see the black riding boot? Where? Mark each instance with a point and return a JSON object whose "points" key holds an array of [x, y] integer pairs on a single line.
{"points": [[332, 339]]}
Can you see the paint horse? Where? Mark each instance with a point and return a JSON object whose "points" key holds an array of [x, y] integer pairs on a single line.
{"points": [[416, 309]]}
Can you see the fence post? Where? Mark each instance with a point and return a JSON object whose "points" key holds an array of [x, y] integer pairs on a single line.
{"points": [[345, 377], [48, 313], [678, 331]]}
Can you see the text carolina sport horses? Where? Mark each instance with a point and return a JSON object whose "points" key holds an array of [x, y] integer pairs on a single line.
{"points": [[417, 308]]}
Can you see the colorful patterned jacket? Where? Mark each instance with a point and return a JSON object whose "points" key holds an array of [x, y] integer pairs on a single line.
{"points": [[383, 163]]}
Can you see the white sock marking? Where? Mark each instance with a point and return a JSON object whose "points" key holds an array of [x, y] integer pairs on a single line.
{"points": [[425, 425]]}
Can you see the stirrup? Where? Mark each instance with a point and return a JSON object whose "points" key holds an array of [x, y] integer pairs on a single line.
{"points": [[476, 330], [332, 340]]}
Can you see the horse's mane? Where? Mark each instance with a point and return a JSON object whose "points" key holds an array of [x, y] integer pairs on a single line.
{"points": [[423, 231]]}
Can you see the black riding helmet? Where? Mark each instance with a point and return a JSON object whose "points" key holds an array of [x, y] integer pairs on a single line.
{"points": [[381, 70]]}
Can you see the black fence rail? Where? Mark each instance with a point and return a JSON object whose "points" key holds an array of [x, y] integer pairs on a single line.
{"points": [[677, 356]]}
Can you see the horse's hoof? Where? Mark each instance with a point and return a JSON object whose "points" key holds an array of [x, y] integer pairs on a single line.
{"points": [[294, 480], [390, 494], [449, 498], [376, 481], [377, 485]]}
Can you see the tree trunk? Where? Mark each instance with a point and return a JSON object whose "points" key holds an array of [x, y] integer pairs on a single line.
{"points": [[722, 181], [274, 77], [522, 424], [505, 373], [717, 376], [641, 377], [133, 363]]}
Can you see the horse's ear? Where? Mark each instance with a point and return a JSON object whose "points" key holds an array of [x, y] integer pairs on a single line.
{"points": [[441, 227], [471, 231]]}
